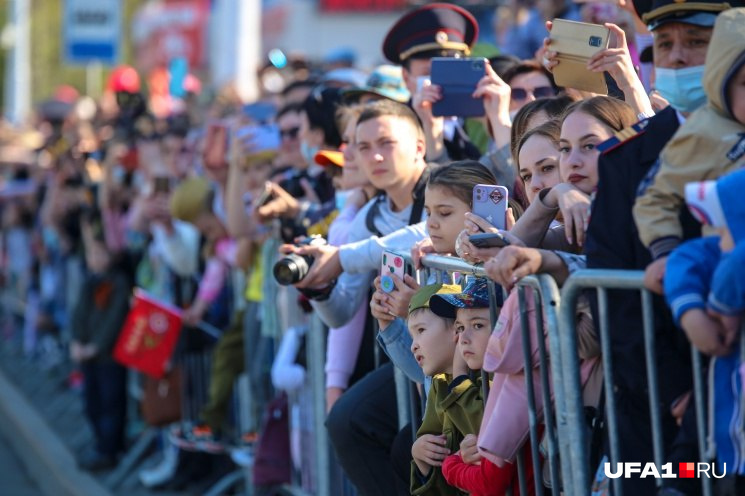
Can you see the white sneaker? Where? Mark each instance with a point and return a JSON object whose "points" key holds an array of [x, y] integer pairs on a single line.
{"points": [[164, 471], [243, 457]]}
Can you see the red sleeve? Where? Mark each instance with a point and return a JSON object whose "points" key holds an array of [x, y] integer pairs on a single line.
{"points": [[480, 480]]}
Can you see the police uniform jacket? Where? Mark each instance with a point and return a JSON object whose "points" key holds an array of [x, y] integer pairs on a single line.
{"points": [[613, 243]]}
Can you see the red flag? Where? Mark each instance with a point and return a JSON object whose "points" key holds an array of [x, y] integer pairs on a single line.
{"points": [[149, 335]]}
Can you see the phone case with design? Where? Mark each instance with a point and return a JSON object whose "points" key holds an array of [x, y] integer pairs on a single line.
{"points": [[392, 264], [490, 203]]}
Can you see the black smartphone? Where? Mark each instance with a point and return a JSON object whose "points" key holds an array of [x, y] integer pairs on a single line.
{"points": [[458, 79], [488, 240]]}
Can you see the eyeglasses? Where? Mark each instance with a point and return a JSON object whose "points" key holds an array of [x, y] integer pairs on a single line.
{"points": [[290, 133], [539, 92]]}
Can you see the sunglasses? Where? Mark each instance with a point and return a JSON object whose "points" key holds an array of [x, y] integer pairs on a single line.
{"points": [[290, 133], [539, 92]]}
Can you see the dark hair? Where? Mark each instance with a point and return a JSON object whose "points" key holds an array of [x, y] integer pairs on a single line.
{"points": [[553, 107], [614, 113], [347, 113], [303, 83], [460, 177], [550, 130], [386, 107], [320, 107], [526, 67], [502, 63], [290, 108]]}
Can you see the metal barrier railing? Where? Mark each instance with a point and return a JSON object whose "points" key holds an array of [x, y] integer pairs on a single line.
{"points": [[546, 295], [316, 352], [564, 416], [547, 299], [603, 280]]}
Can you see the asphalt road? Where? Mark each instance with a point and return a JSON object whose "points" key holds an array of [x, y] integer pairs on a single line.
{"points": [[14, 481]]}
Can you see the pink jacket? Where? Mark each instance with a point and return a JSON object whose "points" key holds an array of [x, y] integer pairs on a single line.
{"points": [[344, 343], [505, 427], [217, 270]]}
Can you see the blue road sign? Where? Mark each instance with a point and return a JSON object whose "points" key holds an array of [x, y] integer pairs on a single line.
{"points": [[92, 31]]}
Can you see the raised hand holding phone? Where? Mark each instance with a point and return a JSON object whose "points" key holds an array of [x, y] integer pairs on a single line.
{"points": [[379, 308], [398, 300], [490, 203], [495, 94], [571, 46], [392, 264], [616, 61], [425, 96], [458, 80]]}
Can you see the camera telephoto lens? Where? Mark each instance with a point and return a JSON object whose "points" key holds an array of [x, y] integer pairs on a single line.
{"points": [[291, 269]]}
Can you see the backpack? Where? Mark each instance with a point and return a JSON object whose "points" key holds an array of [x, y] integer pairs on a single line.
{"points": [[272, 465]]}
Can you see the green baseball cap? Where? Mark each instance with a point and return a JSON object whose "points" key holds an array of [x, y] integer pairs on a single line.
{"points": [[421, 297]]}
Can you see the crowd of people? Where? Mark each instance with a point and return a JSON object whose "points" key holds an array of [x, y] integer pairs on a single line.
{"points": [[256, 217]]}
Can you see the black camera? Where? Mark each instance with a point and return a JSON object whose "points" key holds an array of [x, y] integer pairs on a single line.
{"points": [[292, 268]]}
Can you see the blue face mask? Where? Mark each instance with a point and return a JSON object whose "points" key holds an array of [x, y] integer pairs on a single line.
{"points": [[681, 87], [341, 198], [308, 152]]}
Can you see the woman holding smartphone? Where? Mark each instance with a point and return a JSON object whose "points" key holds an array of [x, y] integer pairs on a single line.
{"points": [[586, 124]]}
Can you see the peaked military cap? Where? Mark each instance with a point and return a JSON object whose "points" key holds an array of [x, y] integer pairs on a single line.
{"points": [[698, 12], [435, 26]]}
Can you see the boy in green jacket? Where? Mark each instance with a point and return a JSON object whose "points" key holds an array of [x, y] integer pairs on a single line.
{"points": [[455, 404]]}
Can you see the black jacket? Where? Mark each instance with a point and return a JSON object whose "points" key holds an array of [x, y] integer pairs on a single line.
{"points": [[461, 147], [613, 243], [101, 310]]}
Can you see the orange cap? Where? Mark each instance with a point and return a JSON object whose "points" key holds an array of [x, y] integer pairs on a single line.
{"points": [[328, 157]]}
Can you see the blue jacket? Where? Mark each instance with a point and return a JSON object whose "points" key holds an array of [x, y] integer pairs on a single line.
{"points": [[396, 342], [694, 270], [727, 294], [729, 411], [688, 275]]}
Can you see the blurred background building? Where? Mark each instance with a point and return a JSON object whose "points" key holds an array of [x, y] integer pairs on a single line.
{"points": [[225, 42]]}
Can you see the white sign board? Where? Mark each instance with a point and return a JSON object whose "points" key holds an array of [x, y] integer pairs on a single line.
{"points": [[92, 31]]}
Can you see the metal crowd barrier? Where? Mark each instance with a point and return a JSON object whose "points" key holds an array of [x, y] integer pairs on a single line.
{"points": [[564, 417], [546, 299], [316, 353], [603, 280]]}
